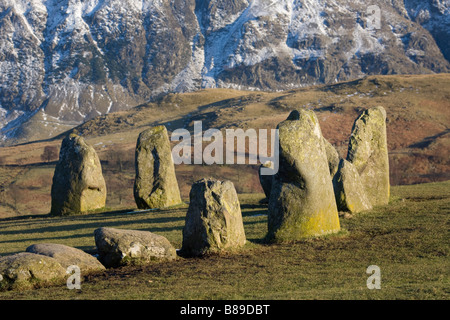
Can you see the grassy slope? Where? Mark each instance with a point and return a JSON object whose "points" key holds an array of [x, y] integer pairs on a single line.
{"points": [[418, 135], [408, 240]]}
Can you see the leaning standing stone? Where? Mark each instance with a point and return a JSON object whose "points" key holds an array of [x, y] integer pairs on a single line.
{"points": [[368, 152], [117, 247], [78, 183], [156, 184], [214, 219], [302, 202], [349, 191]]}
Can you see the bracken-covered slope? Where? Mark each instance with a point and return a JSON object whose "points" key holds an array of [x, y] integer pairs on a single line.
{"points": [[63, 62]]}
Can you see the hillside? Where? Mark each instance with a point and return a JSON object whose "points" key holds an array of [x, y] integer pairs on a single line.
{"points": [[417, 127], [63, 62]]}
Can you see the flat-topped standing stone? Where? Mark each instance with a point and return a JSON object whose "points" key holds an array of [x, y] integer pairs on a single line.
{"points": [[156, 184], [349, 191], [78, 184], [368, 152], [302, 202], [214, 219]]}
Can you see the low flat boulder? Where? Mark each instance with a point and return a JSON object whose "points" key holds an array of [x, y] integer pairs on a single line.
{"points": [[25, 270], [117, 247], [67, 256]]}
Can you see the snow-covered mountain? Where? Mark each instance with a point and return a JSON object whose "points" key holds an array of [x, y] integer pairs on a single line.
{"points": [[65, 61]]}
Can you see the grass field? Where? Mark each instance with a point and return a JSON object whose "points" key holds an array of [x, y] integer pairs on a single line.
{"points": [[407, 239]]}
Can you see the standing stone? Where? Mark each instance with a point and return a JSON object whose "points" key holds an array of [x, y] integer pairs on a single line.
{"points": [[214, 219], [156, 184], [348, 189], [368, 152], [265, 180], [332, 157], [78, 184], [302, 202]]}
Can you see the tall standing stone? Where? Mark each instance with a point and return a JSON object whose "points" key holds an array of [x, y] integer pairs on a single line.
{"points": [[348, 189], [78, 184], [214, 219], [302, 202], [156, 184], [368, 152]]}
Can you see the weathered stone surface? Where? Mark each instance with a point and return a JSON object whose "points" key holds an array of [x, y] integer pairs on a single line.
{"points": [[118, 247], [67, 256], [24, 270], [214, 219], [302, 202], [156, 184], [348, 189], [368, 152], [332, 157], [78, 184], [265, 180]]}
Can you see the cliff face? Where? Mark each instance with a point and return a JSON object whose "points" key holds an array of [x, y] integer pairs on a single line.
{"points": [[65, 61]]}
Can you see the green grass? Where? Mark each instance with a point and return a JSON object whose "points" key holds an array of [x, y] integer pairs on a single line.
{"points": [[408, 240]]}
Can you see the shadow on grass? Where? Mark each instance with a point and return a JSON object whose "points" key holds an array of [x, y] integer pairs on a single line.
{"points": [[56, 224]]}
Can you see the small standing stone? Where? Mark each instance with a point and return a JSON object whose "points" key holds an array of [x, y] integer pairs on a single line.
{"points": [[214, 219], [332, 157], [265, 180], [349, 191]]}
